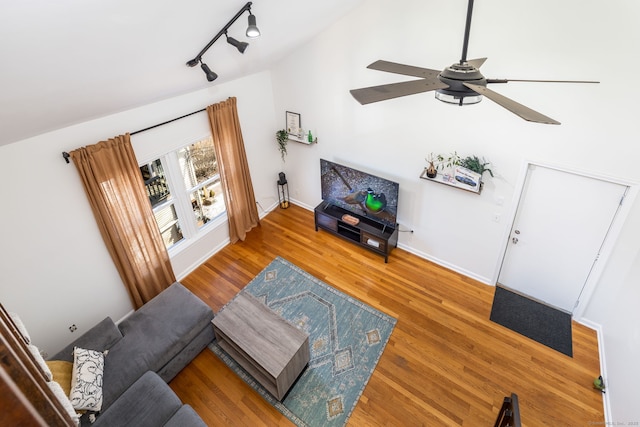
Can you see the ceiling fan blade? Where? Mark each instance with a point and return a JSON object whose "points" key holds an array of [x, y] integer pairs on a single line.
{"points": [[407, 70], [371, 94], [476, 63], [511, 105], [539, 81]]}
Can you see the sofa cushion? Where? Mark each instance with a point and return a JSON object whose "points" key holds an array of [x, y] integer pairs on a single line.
{"points": [[101, 337], [125, 363], [149, 402], [166, 324], [185, 417]]}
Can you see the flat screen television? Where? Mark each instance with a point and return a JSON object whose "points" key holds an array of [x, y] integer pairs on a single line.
{"points": [[359, 192]]}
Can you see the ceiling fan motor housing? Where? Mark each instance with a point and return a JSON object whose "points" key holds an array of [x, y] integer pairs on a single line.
{"points": [[455, 76]]}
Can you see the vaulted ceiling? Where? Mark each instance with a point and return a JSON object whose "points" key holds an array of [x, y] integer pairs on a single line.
{"points": [[68, 61]]}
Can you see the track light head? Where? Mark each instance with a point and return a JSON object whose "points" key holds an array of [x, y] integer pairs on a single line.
{"points": [[252, 29], [211, 76], [241, 46]]}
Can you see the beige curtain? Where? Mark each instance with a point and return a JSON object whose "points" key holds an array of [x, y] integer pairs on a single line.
{"points": [[234, 169], [116, 192]]}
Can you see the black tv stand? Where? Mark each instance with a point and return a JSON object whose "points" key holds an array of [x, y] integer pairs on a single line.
{"points": [[370, 234]]}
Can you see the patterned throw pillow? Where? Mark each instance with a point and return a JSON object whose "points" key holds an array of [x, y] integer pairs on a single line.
{"points": [[86, 379]]}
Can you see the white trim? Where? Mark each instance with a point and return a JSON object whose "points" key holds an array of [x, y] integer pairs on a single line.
{"points": [[203, 259], [607, 249], [302, 205], [603, 366], [452, 267]]}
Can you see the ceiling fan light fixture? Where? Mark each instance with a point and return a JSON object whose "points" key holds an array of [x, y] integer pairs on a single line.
{"points": [[457, 99], [252, 29]]}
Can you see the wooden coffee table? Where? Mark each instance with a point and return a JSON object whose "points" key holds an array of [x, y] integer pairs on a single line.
{"points": [[271, 349]]}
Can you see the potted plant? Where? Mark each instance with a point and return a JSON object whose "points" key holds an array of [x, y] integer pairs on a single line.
{"points": [[475, 164], [438, 161], [282, 136], [432, 170]]}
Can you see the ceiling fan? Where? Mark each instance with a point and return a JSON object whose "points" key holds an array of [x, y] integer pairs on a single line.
{"points": [[461, 83]]}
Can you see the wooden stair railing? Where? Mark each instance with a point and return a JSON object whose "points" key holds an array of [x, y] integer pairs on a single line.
{"points": [[509, 415], [26, 397]]}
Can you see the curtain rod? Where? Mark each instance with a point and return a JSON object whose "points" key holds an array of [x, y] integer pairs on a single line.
{"points": [[66, 155], [167, 122]]}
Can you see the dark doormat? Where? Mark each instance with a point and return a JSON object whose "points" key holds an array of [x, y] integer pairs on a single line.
{"points": [[532, 319]]}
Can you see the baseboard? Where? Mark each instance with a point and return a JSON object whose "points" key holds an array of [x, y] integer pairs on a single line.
{"points": [[302, 205], [447, 265], [603, 365], [203, 259]]}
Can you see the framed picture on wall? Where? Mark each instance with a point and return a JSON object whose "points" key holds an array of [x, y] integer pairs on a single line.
{"points": [[294, 126]]}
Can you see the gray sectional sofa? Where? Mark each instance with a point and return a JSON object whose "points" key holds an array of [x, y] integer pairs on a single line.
{"points": [[146, 351]]}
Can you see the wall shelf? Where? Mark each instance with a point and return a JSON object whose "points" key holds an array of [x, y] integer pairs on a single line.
{"points": [[450, 181], [302, 140]]}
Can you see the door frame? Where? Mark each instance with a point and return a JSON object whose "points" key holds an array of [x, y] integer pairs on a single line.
{"points": [[610, 239]]}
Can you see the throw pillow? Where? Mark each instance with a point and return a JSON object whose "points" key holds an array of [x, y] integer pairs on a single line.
{"points": [[61, 371], [86, 379]]}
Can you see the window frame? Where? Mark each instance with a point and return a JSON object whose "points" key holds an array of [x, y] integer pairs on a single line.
{"points": [[181, 197]]}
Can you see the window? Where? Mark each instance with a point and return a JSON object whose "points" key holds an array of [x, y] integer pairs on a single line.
{"points": [[184, 191]]}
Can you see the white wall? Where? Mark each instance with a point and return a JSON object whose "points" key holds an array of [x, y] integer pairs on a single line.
{"points": [[55, 268], [522, 39]]}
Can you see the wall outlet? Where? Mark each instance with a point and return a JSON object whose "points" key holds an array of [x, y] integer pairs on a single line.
{"points": [[73, 328]]}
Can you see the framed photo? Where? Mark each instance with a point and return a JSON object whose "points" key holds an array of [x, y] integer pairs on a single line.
{"points": [[294, 126], [467, 179]]}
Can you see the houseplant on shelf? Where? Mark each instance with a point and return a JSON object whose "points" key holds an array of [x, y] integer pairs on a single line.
{"points": [[475, 164], [438, 161], [282, 136], [432, 170]]}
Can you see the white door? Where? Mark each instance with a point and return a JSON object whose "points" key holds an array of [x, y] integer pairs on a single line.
{"points": [[560, 226]]}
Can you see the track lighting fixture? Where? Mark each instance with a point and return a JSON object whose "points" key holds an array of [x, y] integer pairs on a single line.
{"points": [[252, 32], [241, 46], [211, 76]]}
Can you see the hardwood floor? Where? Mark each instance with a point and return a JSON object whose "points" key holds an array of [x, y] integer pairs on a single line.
{"points": [[445, 363]]}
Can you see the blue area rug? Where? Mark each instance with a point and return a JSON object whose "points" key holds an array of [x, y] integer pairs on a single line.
{"points": [[346, 339]]}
